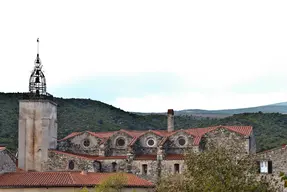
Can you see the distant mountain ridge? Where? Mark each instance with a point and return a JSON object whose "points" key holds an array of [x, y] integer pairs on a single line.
{"points": [[272, 108]]}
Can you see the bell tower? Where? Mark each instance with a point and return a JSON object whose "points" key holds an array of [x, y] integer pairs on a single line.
{"points": [[37, 122]]}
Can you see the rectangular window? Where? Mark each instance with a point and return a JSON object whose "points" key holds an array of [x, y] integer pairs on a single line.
{"points": [[144, 169], [176, 168], [265, 167]]}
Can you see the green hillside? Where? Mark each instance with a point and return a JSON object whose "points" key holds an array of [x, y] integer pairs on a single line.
{"points": [[85, 114]]}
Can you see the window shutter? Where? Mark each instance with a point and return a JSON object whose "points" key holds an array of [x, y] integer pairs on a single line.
{"points": [[269, 166], [258, 166]]}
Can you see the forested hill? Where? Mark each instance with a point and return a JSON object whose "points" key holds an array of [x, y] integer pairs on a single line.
{"points": [[85, 114]]}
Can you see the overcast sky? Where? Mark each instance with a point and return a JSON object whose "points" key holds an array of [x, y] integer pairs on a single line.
{"points": [[151, 55]]}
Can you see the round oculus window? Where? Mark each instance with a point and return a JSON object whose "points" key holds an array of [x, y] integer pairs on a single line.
{"points": [[181, 141], [86, 143], [121, 142], [150, 142]]}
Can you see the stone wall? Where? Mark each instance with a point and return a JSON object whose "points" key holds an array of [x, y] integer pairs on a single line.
{"points": [[81, 144], [252, 143], [178, 143], [137, 168], [37, 133], [111, 165], [278, 156], [142, 147], [224, 138], [6, 163], [167, 167], [60, 162], [117, 144]]}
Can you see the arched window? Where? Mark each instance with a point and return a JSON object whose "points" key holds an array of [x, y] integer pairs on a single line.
{"points": [[97, 166], [71, 165]]}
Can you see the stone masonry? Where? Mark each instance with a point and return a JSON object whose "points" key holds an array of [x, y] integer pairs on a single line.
{"points": [[37, 133], [7, 163], [277, 159]]}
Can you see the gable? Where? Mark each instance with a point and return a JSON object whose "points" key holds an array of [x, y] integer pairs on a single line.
{"points": [[149, 139], [179, 139]]}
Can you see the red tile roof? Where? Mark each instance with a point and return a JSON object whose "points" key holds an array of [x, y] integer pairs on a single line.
{"points": [[196, 132], [70, 136], [90, 157], [2, 148], [64, 179]]}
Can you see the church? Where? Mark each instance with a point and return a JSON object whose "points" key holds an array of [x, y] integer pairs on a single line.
{"points": [[147, 154]]}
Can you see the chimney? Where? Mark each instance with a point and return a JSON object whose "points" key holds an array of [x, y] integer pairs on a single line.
{"points": [[170, 120]]}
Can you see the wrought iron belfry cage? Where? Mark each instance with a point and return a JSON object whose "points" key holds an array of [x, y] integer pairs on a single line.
{"points": [[37, 83]]}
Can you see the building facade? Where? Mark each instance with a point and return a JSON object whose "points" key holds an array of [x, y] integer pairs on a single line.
{"points": [[148, 154]]}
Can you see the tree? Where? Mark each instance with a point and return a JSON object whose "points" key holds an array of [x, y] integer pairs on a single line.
{"points": [[114, 183], [219, 169], [84, 189]]}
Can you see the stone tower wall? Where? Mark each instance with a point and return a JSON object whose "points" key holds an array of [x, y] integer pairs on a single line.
{"points": [[37, 132]]}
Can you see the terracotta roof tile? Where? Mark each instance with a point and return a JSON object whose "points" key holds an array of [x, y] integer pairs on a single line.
{"points": [[199, 132], [64, 179], [70, 136], [2, 148], [101, 134], [196, 132]]}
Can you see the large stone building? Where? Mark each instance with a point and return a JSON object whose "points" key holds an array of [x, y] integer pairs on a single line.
{"points": [[145, 153], [148, 154]]}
